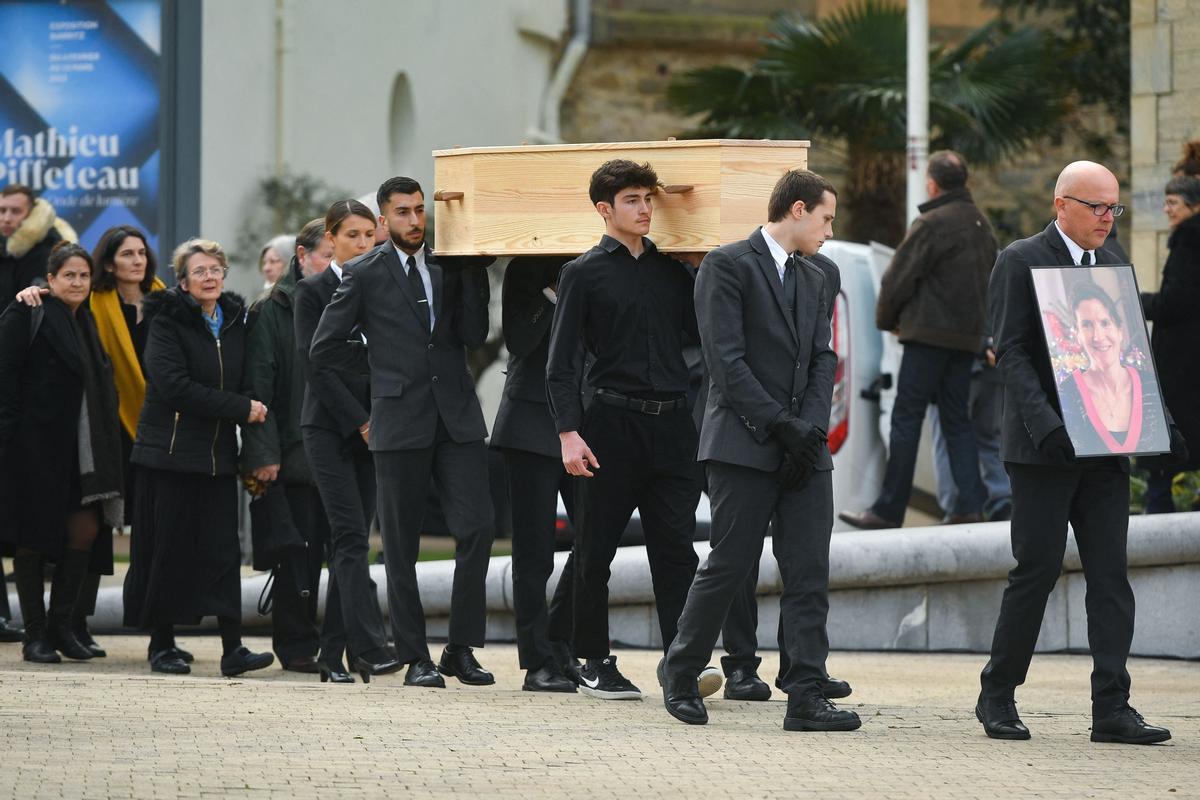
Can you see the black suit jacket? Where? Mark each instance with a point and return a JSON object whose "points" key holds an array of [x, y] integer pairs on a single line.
{"points": [[336, 398], [523, 421], [762, 362], [417, 375], [1031, 407]]}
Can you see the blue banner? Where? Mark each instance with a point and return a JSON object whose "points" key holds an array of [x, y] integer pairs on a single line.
{"points": [[79, 109]]}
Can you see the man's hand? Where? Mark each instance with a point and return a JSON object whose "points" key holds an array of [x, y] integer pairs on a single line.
{"points": [[32, 295], [691, 258], [792, 473], [990, 357], [267, 474], [258, 413], [801, 439], [1057, 447], [365, 432], [576, 454]]}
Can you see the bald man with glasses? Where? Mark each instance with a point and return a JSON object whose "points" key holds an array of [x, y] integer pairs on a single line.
{"points": [[1050, 487]]}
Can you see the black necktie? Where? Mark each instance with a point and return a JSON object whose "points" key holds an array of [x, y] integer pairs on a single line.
{"points": [[789, 283], [1086, 259], [418, 286]]}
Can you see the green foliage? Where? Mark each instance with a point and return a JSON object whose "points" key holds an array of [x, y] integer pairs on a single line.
{"points": [[844, 77], [1185, 491], [281, 204]]}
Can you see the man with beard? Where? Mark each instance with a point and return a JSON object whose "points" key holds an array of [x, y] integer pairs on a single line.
{"points": [[420, 315]]}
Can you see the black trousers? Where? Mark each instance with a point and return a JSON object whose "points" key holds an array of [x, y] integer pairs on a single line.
{"points": [[535, 482], [294, 618], [928, 373], [1095, 500], [461, 474], [647, 462], [345, 476], [745, 502]]}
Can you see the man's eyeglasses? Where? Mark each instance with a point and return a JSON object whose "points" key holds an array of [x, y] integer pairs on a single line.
{"points": [[1100, 209], [216, 272]]}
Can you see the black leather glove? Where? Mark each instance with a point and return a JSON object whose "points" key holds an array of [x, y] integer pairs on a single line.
{"points": [[1057, 447], [792, 473], [1179, 448], [801, 439]]}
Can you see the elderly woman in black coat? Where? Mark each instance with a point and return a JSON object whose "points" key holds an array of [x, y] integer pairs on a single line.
{"points": [[1175, 311], [185, 560], [60, 452]]}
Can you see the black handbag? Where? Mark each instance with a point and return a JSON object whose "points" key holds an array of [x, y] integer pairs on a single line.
{"points": [[276, 542]]}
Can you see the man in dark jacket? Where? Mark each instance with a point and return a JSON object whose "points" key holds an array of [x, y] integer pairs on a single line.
{"points": [[932, 296], [1052, 488], [274, 451], [29, 229]]}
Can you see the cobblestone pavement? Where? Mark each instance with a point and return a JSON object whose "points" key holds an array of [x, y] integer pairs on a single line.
{"points": [[109, 728]]}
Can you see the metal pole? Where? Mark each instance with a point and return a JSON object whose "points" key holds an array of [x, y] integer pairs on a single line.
{"points": [[918, 103]]}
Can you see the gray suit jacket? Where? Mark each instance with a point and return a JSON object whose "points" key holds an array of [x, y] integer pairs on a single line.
{"points": [[416, 375], [762, 362]]}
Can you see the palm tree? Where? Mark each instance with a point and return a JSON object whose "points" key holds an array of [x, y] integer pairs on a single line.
{"points": [[842, 79]]}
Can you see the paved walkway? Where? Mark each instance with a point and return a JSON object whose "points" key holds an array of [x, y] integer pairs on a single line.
{"points": [[109, 728]]}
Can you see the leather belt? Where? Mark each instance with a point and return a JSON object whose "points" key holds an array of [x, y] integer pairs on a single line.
{"points": [[651, 407]]}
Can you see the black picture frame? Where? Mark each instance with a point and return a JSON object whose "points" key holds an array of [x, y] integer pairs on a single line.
{"points": [[1099, 348]]}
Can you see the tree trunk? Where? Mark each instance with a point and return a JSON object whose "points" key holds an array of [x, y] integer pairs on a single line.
{"points": [[875, 197]]}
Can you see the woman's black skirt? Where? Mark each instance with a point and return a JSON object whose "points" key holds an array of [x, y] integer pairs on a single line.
{"points": [[184, 561]]}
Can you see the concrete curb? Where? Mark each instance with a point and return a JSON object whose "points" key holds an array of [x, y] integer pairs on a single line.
{"points": [[935, 588]]}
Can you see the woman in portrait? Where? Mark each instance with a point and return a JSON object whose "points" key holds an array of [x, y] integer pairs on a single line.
{"points": [[1113, 398], [185, 557], [1175, 311], [60, 450]]}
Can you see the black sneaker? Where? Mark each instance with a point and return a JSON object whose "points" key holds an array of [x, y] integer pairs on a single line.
{"points": [[601, 679]]}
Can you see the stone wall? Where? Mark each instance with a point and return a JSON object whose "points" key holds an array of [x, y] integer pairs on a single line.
{"points": [[1165, 89]]}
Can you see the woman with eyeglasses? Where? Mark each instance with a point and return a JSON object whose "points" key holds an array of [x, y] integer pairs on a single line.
{"points": [[60, 457], [1175, 312], [185, 559]]}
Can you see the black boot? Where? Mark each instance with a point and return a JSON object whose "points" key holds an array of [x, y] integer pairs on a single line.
{"points": [[64, 592], [28, 570], [85, 606]]}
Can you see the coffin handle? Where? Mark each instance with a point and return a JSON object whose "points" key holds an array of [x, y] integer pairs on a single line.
{"points": [[678, 188], [442, 194]]}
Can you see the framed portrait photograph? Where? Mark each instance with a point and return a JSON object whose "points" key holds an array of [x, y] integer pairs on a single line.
{"points": [[1100, 352]]}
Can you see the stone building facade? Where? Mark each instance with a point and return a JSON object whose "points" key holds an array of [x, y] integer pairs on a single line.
{"points": [[1164, 114]]}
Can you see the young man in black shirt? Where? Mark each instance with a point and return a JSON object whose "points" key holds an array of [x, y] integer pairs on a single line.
{"points": [[630, 308]]}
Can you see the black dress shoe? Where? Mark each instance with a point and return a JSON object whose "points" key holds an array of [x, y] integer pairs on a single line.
{"points": [[424, 673], [867, 520], [176, 652], [567, 663], [812, 711], [1000, 719], [40, 651], [681, 697], [85, 638], [242, 660], [1126, 726], [459, 662], [547, 678], [305, 664], [744, 684], [380, 661], [62, 638], [334, 673], [166, 661], [10, 632]]}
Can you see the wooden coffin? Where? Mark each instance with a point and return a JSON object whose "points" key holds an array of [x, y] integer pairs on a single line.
{"points": [[533, 200]]}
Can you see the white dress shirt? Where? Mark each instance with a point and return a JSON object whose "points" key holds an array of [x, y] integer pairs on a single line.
{"points": [[777, 252], [1076, 251], [424, 270]]}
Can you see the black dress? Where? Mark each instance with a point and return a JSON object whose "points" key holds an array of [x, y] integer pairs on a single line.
{"points": [[137, 335]]}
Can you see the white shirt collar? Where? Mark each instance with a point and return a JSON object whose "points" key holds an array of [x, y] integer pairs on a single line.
{"points": [[777, 252], [333, 265], [1075, 250], [419, 256]]}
